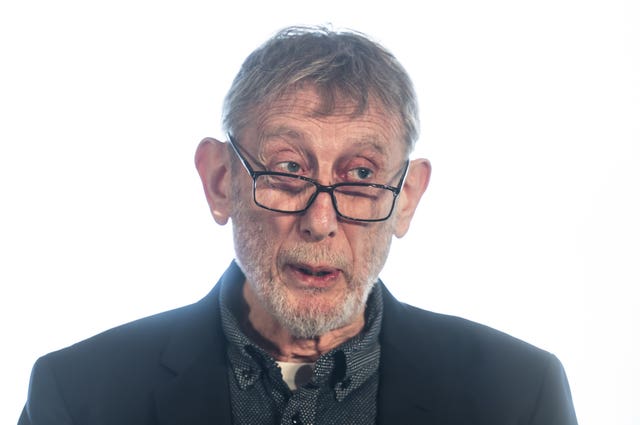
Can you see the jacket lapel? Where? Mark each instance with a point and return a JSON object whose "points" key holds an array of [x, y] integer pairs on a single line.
{"points": [[406, 391], [198, 394]]}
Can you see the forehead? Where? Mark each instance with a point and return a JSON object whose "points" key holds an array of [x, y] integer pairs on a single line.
{"points": [[305, 115]]}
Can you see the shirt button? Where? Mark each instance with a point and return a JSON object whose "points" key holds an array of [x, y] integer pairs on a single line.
{"points": [[295, 420]]}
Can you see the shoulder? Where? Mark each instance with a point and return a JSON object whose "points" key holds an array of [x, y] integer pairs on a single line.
{"points": [[462, 353], [133, 351], [459, 368], [131, 373], [93, 376], [426, 330]]}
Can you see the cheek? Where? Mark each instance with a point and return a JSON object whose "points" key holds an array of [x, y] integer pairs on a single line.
{"points": [[370, 249], [258, 233]]}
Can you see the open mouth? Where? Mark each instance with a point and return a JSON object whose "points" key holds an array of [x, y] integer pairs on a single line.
{"points": [[316, 273]]}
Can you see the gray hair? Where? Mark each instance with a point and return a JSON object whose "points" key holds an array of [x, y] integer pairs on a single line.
{"points": [[339, 64]]}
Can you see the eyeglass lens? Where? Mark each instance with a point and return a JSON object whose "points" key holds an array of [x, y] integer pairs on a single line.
{"points": [[290, 194]]}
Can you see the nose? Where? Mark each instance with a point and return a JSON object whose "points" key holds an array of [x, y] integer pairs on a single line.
{"points": [[320, 220]]}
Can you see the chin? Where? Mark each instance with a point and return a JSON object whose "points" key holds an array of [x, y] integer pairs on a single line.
{"points": [[312, 316]]}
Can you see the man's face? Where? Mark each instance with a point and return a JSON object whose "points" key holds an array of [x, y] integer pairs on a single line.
{"points": [[313, 271]]}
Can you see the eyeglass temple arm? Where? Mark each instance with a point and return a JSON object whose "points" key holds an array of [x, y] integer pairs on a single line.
{"points": [[242, 159]]}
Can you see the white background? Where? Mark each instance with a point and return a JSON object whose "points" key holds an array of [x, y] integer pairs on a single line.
{"points": [[531, 118]]}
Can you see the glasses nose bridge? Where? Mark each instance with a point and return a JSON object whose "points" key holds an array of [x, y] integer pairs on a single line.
{"points": [[323, 188], [320, 188]]}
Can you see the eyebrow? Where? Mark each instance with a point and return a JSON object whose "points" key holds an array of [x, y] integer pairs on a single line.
{"points": [[363, 141], [369, 141], [282, 130]]}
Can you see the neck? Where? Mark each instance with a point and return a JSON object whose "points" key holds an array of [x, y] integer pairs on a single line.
{"points": [[260, 326]]}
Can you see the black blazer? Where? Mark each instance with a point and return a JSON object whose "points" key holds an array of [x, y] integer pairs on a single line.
{"points": [[170, 369]]}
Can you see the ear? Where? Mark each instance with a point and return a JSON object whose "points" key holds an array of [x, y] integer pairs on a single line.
{"points": [[212, 162], [415, 184]]}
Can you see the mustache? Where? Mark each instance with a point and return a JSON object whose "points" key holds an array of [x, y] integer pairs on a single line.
{"points": [[314, 255]]}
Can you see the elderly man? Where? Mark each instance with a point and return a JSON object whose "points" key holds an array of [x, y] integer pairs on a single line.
{"points": [[316, 180]]}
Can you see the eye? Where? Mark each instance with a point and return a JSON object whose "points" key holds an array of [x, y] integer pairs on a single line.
{"points": [[360, 173], [288, 167]]}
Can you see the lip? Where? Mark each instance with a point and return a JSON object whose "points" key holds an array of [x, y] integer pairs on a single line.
{"points": [[313, 276]]}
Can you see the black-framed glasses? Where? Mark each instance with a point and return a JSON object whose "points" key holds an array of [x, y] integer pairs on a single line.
{"points": [[291, 193]]}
